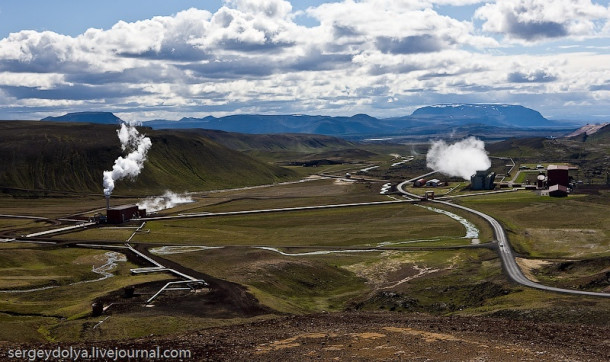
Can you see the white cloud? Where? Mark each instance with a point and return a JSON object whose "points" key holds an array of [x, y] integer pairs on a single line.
{"points": [[534, 20], [161, 37], [36, 51], [266, 8], [251, 56]]}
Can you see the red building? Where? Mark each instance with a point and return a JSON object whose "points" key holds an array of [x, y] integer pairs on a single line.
{"points": [[121, 214], [557, 175], [419, 183]]}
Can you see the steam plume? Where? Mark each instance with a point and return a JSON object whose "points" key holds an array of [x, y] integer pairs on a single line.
{"points": [[130, 165], [168, 200], [462, 158]]}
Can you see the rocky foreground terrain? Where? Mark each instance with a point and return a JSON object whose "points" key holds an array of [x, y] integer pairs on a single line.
{"points": [[384, 336]]}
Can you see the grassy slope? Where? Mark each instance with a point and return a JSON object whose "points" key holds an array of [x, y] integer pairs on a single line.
{"points": [[181, 161], [274, 142], [72, 157], [291, 149]]}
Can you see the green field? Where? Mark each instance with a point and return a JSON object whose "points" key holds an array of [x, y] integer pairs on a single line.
{"points": [[529, 175], [545, 227], [363, 226], [310, 193], [39, 267], [29, 314]]}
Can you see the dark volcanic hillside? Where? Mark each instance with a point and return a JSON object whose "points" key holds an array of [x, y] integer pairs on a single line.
{"points": [[72, 157]]}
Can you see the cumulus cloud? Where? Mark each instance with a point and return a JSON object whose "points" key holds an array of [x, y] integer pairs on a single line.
{"points": [[255, 56], [38, 52], [533, 20], [537, 76], [72, 92], [410, 44], [396, 25], [600, 87], [267, 8]]}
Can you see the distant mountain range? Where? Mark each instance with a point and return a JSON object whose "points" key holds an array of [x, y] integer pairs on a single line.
{"points": [[425, 121]]}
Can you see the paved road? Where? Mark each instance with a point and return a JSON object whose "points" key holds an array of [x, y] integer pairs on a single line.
{"points": [[505, 250], [508, 259]]}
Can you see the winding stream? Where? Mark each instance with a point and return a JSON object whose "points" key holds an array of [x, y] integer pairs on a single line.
{"points": [[471, 230], [112, 260]]}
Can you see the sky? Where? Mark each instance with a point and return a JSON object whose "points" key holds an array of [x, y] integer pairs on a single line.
{"points": [[156, 59]]}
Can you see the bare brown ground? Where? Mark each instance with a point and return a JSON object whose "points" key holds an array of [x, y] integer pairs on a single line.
{"points": [[384, 336], [528, 266], [391, 336]]}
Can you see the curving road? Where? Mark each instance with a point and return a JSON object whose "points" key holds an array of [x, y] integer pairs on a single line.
{"points": [[508, 259]]}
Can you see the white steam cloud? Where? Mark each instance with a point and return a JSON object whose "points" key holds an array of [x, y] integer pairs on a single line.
{"points": [[462, 158], [130, 165], [166, 201]]}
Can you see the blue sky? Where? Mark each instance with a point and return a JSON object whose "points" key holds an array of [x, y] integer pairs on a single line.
{"points": [[71, 17], [168, 59]]}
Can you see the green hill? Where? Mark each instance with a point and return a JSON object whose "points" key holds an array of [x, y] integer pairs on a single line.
{"points": [[519, 147], [275, 142], [72, 156], [289, 148]]}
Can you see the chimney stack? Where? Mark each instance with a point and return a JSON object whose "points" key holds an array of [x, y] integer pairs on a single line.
{"points": [[107, 202]]}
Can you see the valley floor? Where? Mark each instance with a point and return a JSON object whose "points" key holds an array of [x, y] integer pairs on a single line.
{"points": [[388, 280]]}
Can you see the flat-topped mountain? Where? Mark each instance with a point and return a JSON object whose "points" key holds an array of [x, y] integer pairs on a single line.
{"points": [[86, 117], [505, 115]]}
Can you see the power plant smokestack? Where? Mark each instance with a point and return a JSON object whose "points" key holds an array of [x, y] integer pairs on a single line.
{"points": [[107, 202]]}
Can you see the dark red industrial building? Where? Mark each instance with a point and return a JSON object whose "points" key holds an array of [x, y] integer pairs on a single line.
{"points": [[419, 183], [121, 214], [557, 175]]}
